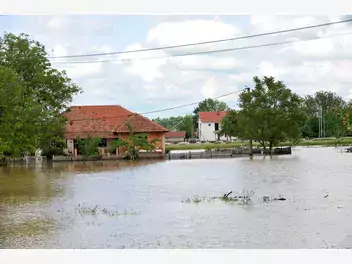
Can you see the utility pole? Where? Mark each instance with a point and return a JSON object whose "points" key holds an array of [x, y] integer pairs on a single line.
{"points": [[250, 140]]}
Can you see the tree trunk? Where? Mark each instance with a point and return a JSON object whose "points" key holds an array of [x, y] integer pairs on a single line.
{"points": [[270, 147]]}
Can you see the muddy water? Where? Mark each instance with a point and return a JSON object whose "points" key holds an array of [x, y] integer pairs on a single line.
{"points": [[126, 205]]}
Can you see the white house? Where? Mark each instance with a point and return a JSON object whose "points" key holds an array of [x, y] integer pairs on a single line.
{"points": [[208, 124]]}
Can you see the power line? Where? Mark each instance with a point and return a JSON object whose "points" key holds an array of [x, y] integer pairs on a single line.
{"points": [[159, 110], [204, 42], [208, 52]]}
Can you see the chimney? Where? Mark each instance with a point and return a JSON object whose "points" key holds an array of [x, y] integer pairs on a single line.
{"points": [[218, 113]]}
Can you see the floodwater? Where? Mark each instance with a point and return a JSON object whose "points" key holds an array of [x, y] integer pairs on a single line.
{"points": [[139, 205]]}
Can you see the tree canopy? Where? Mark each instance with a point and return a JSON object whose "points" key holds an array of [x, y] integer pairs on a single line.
{"points": [[229, 125], [270, 113], [210, 105], [134, 142], [39, 93]]}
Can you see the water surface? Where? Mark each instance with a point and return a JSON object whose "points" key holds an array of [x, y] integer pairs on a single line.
{"points": [[41, 205]]}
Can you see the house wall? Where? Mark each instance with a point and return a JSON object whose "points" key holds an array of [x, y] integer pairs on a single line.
{"points": [[160, 145], [206, 131], [70, 145]]}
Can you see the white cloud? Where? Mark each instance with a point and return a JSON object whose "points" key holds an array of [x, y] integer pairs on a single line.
{"points": [[191, 31], [58, 22], [210, 88], [143, 84]]}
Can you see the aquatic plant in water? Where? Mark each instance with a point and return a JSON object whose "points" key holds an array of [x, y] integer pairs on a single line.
{"points": [[96, 210]]}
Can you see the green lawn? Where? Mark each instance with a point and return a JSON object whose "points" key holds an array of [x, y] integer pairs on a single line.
{"points": [[320, 142]]}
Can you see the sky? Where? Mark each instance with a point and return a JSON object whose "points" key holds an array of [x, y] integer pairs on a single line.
{"points": [[141, 84]]}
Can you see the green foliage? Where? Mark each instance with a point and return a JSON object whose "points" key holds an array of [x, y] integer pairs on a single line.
{"points": [[133, 143], [187, 125], [169, 122], [228, 124], [210, 105], [270, 113], [19, 116], [332, 108], [179, 123], [39, 95], [88, 147]]}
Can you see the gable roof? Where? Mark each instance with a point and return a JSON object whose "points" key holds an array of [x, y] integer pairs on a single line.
{"points": [[104, 120], [176, 134], [212, 117]]}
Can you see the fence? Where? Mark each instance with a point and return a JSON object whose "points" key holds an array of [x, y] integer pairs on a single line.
{"points": [[142, 155], [212, 154], [225, 153]]}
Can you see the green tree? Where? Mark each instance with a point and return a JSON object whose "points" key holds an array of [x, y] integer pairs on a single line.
{"points": [[88, 147], [40, 83], [169, 122], [133, 143], [210, 105], [20, 116], [322, 104], [187, 125], [229, 124], [270, 113]]}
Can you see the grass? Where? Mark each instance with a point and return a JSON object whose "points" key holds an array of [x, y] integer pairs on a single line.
{"points": [[304, 143], [244, 198], [96, 210]]}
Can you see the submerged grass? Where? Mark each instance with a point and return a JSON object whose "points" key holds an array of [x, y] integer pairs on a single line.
{"points": [[242, 198], [96, 210]]}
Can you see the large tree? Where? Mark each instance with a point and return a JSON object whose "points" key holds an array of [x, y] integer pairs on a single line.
{"points": [[324, 105], [270, 113], [178, 123], [229, 125], [210, 105], [40, 84], [19, 116], [169, 122], [187, 125]]}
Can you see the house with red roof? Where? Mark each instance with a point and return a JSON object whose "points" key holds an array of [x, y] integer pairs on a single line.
{"points": [[209, 124], [175, 136], [109, 123]]}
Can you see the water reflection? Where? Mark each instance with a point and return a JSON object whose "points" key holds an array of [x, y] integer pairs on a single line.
{"points": [[40, 204]]}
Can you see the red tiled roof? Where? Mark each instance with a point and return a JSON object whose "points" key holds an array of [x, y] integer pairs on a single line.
{"points": [[176, 134], [212, 117], [103, 120]]}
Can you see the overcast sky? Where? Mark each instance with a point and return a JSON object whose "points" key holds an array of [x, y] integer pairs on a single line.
{"points": [[145, 85]]}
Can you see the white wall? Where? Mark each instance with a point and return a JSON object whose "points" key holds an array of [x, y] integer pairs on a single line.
{"points": [[70, 145], [206, 132]]}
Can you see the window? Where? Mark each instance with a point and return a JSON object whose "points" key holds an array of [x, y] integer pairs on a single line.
{"points": [[143, 136], [216, 126], [103, 143]]}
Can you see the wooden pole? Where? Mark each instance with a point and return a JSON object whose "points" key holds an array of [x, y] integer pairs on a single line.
{"points": [[250, 148]]}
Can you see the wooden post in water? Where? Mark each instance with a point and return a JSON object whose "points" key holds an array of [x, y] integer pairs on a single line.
{"points": [[250, 148]]}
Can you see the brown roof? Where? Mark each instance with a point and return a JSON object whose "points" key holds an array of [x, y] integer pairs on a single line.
{"points": [[176, 134], [103, 120], [212, 117]]}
